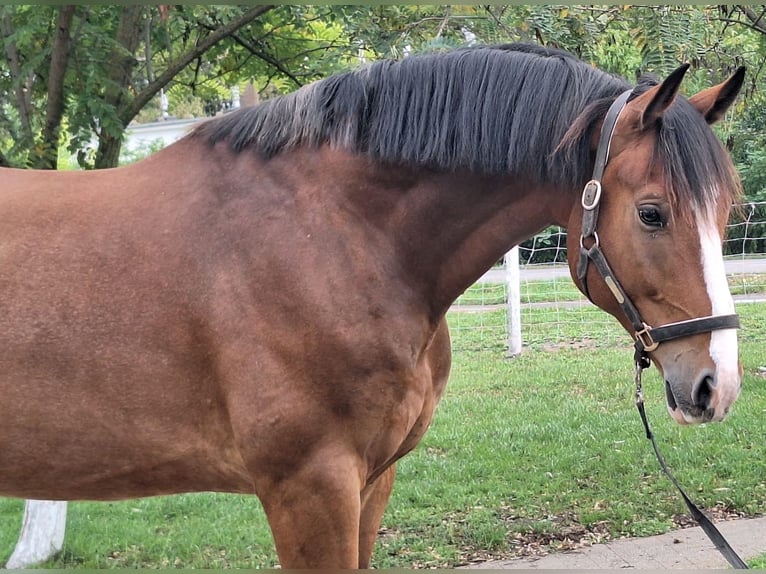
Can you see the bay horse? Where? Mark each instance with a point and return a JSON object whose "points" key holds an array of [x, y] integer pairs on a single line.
{"points": [[260, 307]]}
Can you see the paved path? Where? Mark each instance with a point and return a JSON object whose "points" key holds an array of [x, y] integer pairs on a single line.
{"points": [[687, 549]]}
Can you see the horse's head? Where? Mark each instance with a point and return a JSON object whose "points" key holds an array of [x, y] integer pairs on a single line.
{"points": [[646, 245]]}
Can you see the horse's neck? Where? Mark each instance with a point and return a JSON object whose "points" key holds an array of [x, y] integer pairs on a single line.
{"points": [[463, 224], [436, 233], [447, 229]]}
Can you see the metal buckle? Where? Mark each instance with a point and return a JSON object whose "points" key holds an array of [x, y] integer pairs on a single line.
{"points": [[648, 343], [591, 195]]}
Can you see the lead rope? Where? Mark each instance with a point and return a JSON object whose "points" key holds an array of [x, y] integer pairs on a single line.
{"points": [[647, 338], [707, 526]]}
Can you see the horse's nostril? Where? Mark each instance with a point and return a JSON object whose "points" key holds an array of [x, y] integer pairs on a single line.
{"points": [[702, 393]]}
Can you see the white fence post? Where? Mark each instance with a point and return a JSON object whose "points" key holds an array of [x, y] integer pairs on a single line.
{"points": [[513, 287], [42, 533]]}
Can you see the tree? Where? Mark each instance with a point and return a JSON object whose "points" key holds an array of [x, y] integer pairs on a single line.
{"points": [[89, 70], [139, 51]]}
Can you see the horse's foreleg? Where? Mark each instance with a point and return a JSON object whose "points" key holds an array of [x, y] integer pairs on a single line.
{"points": [[314, 515], [374, 500]]}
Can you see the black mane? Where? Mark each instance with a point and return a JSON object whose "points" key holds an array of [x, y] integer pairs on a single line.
{"points": [[490, 109]]}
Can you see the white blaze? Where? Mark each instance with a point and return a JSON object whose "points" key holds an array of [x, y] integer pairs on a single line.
{"points": [[723, 343]]}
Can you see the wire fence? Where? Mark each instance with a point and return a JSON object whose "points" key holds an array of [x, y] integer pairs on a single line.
{"points": [[555, 314]]}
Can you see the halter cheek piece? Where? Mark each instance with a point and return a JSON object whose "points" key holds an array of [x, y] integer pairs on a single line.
{"points": [[647, 338]]}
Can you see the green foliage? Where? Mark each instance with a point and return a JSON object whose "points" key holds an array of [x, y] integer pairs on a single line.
{"points": [[19, 92], [748, 147], [548, 246], [752, 170], [283, 49], [291, 45], [661, 35], [128, 156]]}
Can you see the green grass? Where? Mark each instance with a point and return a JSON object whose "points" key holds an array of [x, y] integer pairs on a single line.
{"points": [[522, 452], [747, 284], [483, 294], [552, 440]]}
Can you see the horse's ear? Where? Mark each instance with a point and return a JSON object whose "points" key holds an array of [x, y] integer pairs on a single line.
{"points": [[713, 102], [660, 97]]}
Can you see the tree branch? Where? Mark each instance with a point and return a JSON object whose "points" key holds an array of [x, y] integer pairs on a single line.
{"points": [[121, 63], [499, 22], [266, 58], [174, 67], [741, 23], [444, 22], [757, 21], [250, 47]]}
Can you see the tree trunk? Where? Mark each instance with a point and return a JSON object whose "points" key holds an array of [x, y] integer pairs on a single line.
{"points": [[757, 20], [109, 145], [42, 533], [121, 63], [21, 80], [45, 155], [108, 153]]}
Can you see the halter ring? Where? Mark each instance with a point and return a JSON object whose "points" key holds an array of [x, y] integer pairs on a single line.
{"points": [[596, 243]]}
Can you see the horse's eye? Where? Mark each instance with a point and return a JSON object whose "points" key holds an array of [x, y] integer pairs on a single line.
{"points": [[651, 216]]}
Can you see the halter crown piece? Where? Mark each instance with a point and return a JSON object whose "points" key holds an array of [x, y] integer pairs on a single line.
{"points": [[647, 338]]}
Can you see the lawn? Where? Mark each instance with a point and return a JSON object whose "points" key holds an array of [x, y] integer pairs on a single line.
{"points": [[542, 452]]}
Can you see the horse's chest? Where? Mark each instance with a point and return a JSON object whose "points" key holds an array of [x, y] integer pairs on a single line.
{"points": [[423, 388]]}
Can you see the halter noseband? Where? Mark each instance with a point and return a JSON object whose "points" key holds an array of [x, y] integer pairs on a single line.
{"points": [[646, 338]]}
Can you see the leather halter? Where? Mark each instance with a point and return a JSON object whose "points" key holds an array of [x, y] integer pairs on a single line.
{"points": [[647, 338]]}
